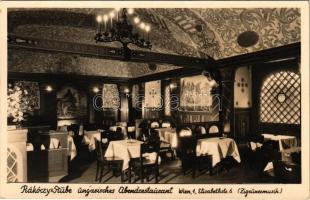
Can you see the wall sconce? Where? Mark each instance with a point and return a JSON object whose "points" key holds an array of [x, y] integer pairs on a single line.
{"points": [[172, 86], [48, 88], [95, 89], [127, 92]]}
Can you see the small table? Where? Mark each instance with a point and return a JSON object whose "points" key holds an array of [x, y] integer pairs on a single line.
{"points": [[168, 135], [125, 149], [219, 148], [285, 141]]}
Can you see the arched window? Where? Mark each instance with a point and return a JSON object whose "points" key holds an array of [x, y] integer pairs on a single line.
{"points": [[280, 98]]}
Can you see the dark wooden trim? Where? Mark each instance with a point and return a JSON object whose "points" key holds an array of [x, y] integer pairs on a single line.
{"points": [[47, 77], [181, 72], [263, 56], [87, 50]]}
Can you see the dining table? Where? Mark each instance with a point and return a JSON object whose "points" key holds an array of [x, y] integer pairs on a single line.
{"points": [[168, 135], [90, 138], [285, 141], [219, 148], [124, 149]]}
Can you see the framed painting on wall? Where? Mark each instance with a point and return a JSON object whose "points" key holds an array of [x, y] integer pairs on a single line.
{"points": [[71, 103]]}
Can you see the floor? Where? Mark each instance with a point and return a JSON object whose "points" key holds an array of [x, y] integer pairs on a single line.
{"points": [[83, 170]]}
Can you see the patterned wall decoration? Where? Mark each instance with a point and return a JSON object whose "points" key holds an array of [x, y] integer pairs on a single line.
{"points": [[275, 27], [71, 103], [242, 88], [110, 96], [167, 101], [280, 98], [153, 97], [36, 62], [174, 30], [135, 95], [196, 102], [33, 91], [195, 93]]}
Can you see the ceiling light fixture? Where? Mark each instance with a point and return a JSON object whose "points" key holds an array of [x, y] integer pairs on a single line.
{"points": [[115, 26]]}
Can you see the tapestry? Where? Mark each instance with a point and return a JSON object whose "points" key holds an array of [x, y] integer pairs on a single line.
{"points": [[110, 96], [153, 94], [33, 92], [71, 103], [195, 94]]}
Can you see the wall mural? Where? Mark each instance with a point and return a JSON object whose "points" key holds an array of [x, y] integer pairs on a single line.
{"points": [[110, 96], [71, 103], [195, 93], [190, 32]]}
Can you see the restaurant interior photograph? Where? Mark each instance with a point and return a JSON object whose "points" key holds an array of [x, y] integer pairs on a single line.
{"points": [[154, 95]]}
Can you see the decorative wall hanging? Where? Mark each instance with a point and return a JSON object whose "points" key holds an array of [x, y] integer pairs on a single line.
{"points": [[243, 88], [110, 96], [195, 93], [153, 94], [71, 103]]}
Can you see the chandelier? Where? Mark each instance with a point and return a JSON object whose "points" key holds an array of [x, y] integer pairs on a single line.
{"points": [[116, 26]]}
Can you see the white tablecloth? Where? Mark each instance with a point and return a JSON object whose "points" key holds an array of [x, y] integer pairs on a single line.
{"points": [[285, 141], [168, 135], [90, 138], [71, 147], [218, 148], [55, 144], [124, 150]]}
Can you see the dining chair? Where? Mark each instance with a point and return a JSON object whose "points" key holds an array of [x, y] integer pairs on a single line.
{"points": [[116, 135], [286, 172], [114, 163], [189, 160], [131, 131], [147, 163], [214, 131]]}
